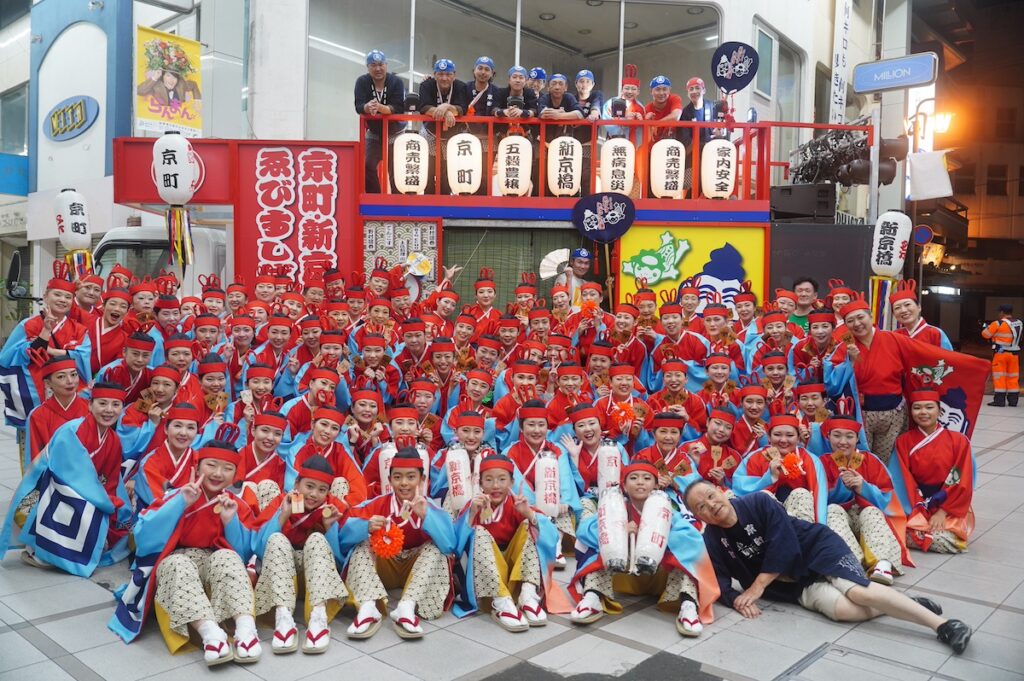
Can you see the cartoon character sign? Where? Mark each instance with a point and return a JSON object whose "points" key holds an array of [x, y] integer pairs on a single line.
{"points": [[723, 256], [169, 78]]}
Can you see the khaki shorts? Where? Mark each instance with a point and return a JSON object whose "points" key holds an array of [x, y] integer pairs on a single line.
{"points": [[824, 595]]}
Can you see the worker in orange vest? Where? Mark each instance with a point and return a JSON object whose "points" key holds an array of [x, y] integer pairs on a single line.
{"points": [[1005, 334]]}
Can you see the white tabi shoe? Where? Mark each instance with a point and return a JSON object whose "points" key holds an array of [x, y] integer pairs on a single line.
{"points": [[560, 561], [247, 646], [366, 623], [882, 573], [530, 605], [286, 635], [688, 622], [216, 649], [507, 615], [588, 610], [318, 634], [407, 623]]}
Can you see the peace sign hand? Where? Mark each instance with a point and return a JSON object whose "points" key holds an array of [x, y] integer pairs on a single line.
{"points": [[193, 489]]}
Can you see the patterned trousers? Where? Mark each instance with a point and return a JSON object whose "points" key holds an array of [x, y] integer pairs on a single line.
{"points": [[277, 585], [668, 585], [800, 504], [182, 581], [263, 492], [339, 488], [25, 507], [422, 572], [589, 508], [498, 573], [868, 535], [564, 523], [943, 541], [881, 428]]}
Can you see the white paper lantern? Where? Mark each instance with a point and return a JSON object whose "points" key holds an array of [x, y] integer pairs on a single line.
{"points": [[565, 166], [718, 169], [546, 485], [72, 216], [890, 244], [175, 172], [411, 163], [384, 459], [464, 163], [618, 162], [612, 534], [609, 465], [515, 162], [668, 169], [460, 477], [652, 534]]}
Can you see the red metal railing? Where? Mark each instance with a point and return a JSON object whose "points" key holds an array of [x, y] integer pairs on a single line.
{"points": [[754, 144]]}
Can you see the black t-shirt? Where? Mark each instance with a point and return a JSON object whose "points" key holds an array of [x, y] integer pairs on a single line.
{"points": [[430, 97], [707, 113], [594, 103], [568, 103], [393, 96]]}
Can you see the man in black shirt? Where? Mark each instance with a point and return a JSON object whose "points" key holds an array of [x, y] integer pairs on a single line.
{"points": [[443, 98], [378, 93], [698, 109], [517, 87], [558, 105]]}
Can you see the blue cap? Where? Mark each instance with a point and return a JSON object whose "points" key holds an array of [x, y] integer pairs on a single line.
{"points": [[444, 66], [558, 76], [517, 69], [582, 253], [537, 73], [375, 57], [660, 80], [585, 73], [486, 61]]}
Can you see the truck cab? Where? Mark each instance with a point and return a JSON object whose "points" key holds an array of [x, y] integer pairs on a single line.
{"points": [[144, 250]]}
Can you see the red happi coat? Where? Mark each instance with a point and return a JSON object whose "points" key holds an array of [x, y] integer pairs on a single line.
{"points": [[45, 419]]}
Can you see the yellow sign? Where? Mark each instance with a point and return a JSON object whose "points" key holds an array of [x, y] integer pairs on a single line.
{"points": [[723, 257], [168, 76]]}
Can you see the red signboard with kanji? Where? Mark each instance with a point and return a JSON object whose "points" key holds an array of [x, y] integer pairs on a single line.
{"points": [[294, 202]]}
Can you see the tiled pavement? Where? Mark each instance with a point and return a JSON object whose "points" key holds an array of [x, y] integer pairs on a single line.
{"points": [[53, 626]]}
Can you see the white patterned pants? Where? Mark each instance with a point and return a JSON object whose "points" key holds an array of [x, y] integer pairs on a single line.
{"points": [[868, 535], [881, 428], [422, 572], [491, 580], [184, 578], [282, 564]]}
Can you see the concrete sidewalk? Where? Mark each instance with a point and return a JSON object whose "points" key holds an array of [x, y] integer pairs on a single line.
{"points": [[53, 626]]}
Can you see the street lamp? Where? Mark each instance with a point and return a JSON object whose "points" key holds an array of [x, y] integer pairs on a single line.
{"points": [[918, 124]]}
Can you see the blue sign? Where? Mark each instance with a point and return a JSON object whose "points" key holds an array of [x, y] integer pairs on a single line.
{"points": [[733, 66], [71, 118], [913, 70], [603, 217], [13, 175], [923, 234]]}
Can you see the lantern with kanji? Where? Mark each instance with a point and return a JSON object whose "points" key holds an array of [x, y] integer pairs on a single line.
{"points": [[72, 217], [668, 169], [890, 243], [565, 166], [618, 161], [718, 169], [176, 174], [411, 163], [465, 156], [515, 161]]}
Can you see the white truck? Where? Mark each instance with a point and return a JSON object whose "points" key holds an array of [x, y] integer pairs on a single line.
{"points": [[144, 251]]}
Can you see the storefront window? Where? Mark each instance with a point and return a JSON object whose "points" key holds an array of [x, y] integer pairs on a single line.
{"points": [[14, 120], [341, 32], [445, 32]]}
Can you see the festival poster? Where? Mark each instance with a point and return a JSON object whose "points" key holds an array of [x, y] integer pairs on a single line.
{"points": [[168, 83], [723, 257]]}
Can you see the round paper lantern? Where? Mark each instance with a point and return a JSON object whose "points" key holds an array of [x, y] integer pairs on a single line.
{"points": [[464, 163], [718, 169], [890, 244], [668, 168], [618, 161], [565, 166], [72, 217], [174, 171], [515, 161], [411, 163]]}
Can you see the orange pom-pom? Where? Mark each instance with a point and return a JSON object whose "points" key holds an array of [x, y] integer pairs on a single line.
{"points": [[388, 541], [588, 309], [792, 466]]}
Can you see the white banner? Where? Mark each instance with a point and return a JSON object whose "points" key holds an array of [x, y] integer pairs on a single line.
{"points": [[840, 69]]}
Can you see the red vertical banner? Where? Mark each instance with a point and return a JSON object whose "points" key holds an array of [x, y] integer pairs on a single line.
{"points": [[295, 208]]}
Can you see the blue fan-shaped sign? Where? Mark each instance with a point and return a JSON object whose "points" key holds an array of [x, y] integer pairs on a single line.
{"points": [[733, 66], [603, 217]]}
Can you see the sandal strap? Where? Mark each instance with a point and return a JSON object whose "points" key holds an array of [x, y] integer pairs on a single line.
{"points": [[286, 635], [366, 620], [253, 642], [313, 639], [532, 609], [215, 648], [414, 622]]}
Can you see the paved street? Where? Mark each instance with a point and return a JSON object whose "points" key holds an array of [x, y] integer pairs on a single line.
{"points": [[53, 626]]}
